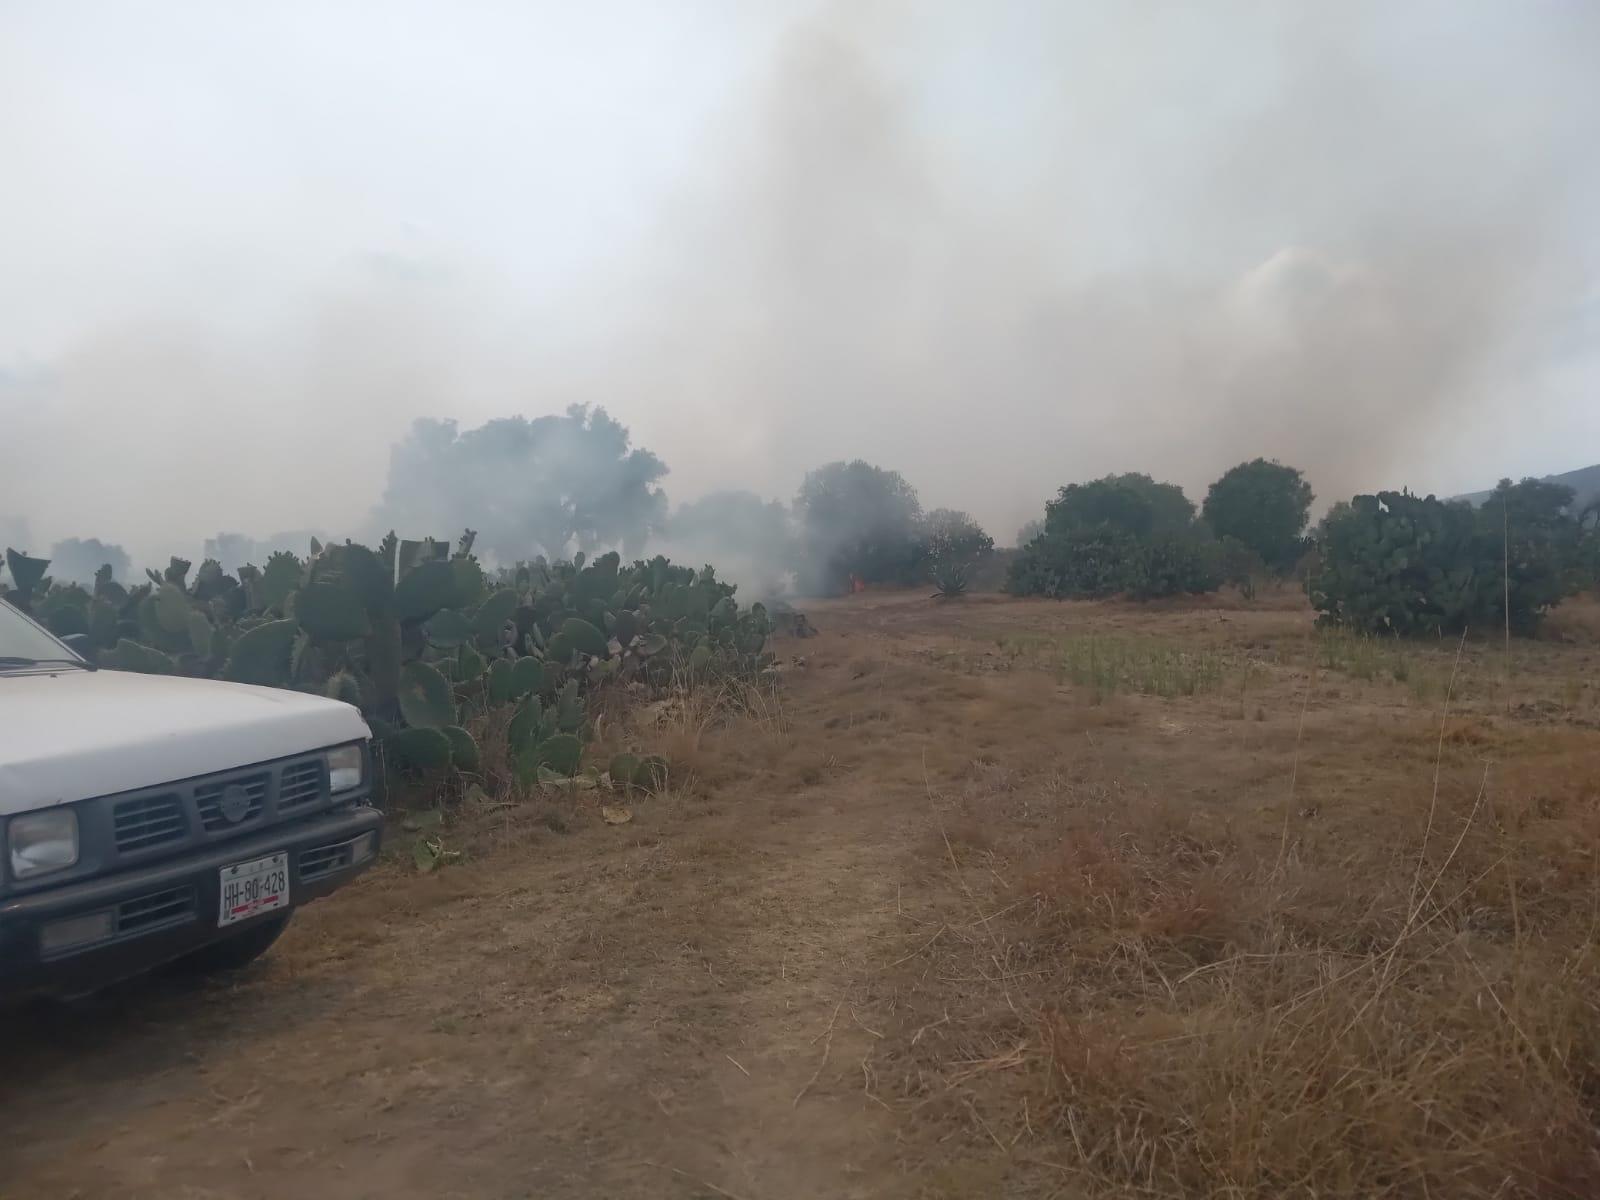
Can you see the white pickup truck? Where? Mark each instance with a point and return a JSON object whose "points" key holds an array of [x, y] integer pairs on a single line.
{"points": [[148, 818]]}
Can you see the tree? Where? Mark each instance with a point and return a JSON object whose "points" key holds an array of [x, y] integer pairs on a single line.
{"points": [[1121, 534], [75, 560], [1030, 531], [953, 543], [951, 534], [1240, 565], [1133, 504], [546, 486], [1263, 504], [1330, 519], [857, 519]]}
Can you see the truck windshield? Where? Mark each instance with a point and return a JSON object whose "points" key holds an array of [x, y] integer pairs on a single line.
{"points": [[23, 643]]}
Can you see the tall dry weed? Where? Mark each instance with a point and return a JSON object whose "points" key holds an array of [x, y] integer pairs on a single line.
{"points": [[1159, 1008]]}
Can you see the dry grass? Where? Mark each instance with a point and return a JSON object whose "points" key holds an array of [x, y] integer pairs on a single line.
{"points": [[1209, 903], [476, 815], [1156, 973], [1165, 1025], [931, 921]]}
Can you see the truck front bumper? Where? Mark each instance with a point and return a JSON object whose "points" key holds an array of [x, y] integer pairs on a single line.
{"points": [[152, 915]]}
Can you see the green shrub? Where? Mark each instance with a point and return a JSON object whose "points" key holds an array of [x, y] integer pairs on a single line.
{"points": [[861, 520], [1240, 565], [1173, 565], [1263, 505], [1133, 504], [1029, 531], [1399, 563], [1124, 534], [1095, 563]]}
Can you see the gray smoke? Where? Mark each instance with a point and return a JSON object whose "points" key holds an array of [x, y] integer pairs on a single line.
{"points": [[996, 248], [750, 541], [1353, 270], [76, 560], [547, 487]]}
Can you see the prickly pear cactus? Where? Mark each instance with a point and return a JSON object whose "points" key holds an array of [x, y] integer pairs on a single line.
{"points": [[650, 775], [417, 750], [526, 726], [131, 656], [561, 754], [621, 771], [425, 698], [262, 654], [278, 581], [448, 644], [464, 754], [469, 664], [448, 629], [424, 590], [330, 613], [493, 613], [342, 685], [27, 574], [527, 677], [499, 686]]}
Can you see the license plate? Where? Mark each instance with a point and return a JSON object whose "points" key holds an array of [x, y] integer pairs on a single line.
{"points": [[252, 888]]}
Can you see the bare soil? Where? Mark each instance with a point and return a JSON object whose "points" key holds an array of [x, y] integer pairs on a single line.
{"points": [[994, 897]]}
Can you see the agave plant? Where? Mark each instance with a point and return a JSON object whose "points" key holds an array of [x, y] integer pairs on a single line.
{"points": [[950, 579]]}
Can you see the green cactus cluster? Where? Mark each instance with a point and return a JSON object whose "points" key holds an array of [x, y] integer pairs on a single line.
{"points": [[423, 639]]}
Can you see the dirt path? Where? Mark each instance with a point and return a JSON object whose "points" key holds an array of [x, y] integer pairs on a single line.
{"points": [[665, 1009]]}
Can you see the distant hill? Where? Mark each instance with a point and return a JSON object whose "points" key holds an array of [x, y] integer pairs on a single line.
{"points": [[1584, 482]]}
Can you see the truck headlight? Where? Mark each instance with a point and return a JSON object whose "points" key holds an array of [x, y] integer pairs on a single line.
{"points": [[42, 842], [346, 768]]}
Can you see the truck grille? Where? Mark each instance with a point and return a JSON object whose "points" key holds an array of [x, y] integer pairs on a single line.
{"points": [[301, 783], [147, 821], [213, 807], [214, 815], [324, 860], [158, 908]]}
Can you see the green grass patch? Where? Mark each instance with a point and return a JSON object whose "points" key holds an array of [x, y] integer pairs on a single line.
{"points": [[1108, 664]]}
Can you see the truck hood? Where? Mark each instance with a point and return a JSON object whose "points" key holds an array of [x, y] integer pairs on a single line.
{"points": [[74, 734]]}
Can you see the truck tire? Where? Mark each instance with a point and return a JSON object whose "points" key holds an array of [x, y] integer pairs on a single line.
{"points": [[240, 950]]}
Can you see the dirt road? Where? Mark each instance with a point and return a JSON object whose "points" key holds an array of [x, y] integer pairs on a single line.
{"points": [[789, 978], [668, 1008]]}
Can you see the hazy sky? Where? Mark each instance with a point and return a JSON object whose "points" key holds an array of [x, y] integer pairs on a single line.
{"points": [[997, 246]]}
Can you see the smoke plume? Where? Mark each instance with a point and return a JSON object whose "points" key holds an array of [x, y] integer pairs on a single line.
{"points": [[995, 248]]}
